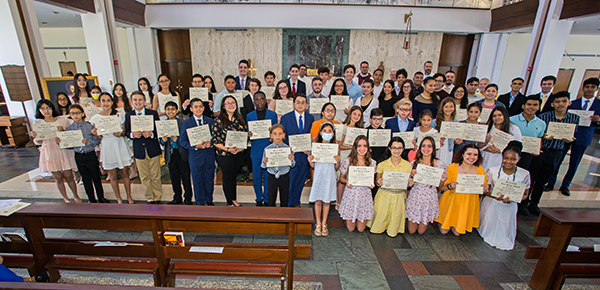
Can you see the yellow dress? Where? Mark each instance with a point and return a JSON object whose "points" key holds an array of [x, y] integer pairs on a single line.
{"points": [[459, 210], [389, 204]]}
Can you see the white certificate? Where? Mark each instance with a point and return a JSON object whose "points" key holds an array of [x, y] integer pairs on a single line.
{"points": [[407, 137], [316, 104], [90, 111], [200, 93], [511, 189], [500, 139], [352, 133], [85, 101], [198, 134], [239, 98], [531, 145], [452, 130], [436, 138], [485, 115], [238, 139], [361, 175], [475, 132], [379, 137], [300, 142], [283, 107], [142, 123], [395, 180], [585, 117], [259, 129], [167, 128], [163, 100], [561, 130], [108, 124], [278, 157], [70, 139], [269, 92], [340, 102], [469, 183], [428, 175], [45, 131], [324, 152], [461, 114], [339, 131]]}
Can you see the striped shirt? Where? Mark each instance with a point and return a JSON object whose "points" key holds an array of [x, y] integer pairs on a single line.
{"points": [[557, 144]]}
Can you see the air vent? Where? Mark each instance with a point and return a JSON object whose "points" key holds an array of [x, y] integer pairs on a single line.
{"points": [[399, 32], [230, 29]]}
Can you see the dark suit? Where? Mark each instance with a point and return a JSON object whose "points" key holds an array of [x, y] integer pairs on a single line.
{"points": [[207, 110], [547, 106], [179, 168], [583, 139], [517, 105], [238, 86], [297, 173], [202, 162], [259, 175], [301, 89], [393, 124], [143, 145], [248, 106]]}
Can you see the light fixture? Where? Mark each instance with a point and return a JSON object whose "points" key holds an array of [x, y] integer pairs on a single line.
{"points": [[44, 22], [54, 12]]}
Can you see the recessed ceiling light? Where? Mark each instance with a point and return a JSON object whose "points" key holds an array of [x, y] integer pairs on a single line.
{"points": [[54, 12], [44, 22]]}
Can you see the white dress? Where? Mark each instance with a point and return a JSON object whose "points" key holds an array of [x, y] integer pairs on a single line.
{"points": [[159, 109], [324, 183], [367, 113], [114, 151], [495, 159], [498, 220], [418, 131], [445, 153]]}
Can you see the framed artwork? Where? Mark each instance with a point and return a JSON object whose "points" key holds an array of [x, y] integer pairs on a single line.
{"points": [[53, 85]]}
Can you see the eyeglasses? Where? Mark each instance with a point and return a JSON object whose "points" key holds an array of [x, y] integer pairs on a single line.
{"points": [[329, 111], [300, 103], [229, 103], [403, 110], [75, 113], [397, 148], [340, 86], [196, 82], [377, 119]]}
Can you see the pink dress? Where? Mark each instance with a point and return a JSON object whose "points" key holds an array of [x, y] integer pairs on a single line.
{"points": [[357, 202], [52, 158], [422, 205]]}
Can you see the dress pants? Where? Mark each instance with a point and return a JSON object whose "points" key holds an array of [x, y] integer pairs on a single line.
{"points": [[259, 177], [283, 184], [525, 161], [149, 170], [230, 166], [542, 167], [202, 166], [179, 170], [297, 178], [577, 152], [88, 167]]}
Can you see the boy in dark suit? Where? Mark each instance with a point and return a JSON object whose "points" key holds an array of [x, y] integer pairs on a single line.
{"points": [[146, 149], [241, 81], [177, 158], [401, 123], [514, 100], [296, 85]]}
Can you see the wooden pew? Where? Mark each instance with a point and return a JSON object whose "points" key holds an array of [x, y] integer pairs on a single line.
{"points": [[55, 286], [555, 262]]}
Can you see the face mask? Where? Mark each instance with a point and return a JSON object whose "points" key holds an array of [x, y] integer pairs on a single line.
{"points": [[96, 97], [327, 136]]}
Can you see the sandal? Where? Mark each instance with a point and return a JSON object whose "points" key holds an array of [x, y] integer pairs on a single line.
{"points": [[318, 231], [324, 231]]}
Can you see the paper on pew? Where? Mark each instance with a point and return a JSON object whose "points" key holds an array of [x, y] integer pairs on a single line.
{"points": [[572, 249], [596, 248], [111, 244], [214, 250], [10, 206]]}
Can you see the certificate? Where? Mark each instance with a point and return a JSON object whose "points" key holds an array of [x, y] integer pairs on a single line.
{"points": [[278, 157], [561, 130], [395, 180], [339, 131], [163, 100], [361, 175], [259, 129], [70, 139], [142, 123], [352, 133], [269, 92], [469, 183], [500, 139], [407, 137], [485, 115], [340, 102], [452, 130], [300, 142], [85, 101], [511, 189], [379, 137], [531, 145], [90, 111], [239, 98], [324, 152], [436, 138], [316, 104], [461, 114], [200, 93], [198, 134], [475, 132], [108, 124], [585, 117], [238, 139], [428, 175], [45, 131], [283, 107], [167, 128]]}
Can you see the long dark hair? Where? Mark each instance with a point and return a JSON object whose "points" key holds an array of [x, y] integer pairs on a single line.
{"points": [[326, 124], [332, 91], [439, 118], [126, 104], [360, 123], [60, 108], [113, 108], [325, 106], [505, 127], [354, 153], [382, 94], [434, 97], [458, 157], [224, 116], [388, 152], [173, 93], [38, 114], [420, 154], [411, 94], [464, 102], [277, 96], [150, 93], [77, 92], [212, 87]]}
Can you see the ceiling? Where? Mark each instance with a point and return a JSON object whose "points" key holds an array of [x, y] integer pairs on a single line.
{"points": [[49, 15], [589, 24]]}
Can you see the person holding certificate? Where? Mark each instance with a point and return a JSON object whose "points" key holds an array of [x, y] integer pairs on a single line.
{"points": [[145, 87], [489, 101], [327, 114], [60, 162], [114, 150], [499, 120], [323, 190], [388, 205], [354, 119], [367, 102], [459, 212], [498, 215], [473, 113], [446, 113], [279, 175], [260, 182], [198, 82], [339, 89], [458, 95], [356, 206], [229, 158], [282, 92], [375, 122], [164, 90], [121, 98], [423, 128], [388, 99]]}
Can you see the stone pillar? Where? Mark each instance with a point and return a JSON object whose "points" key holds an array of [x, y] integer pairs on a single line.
{"points": [[143, 54], [490, 56]]}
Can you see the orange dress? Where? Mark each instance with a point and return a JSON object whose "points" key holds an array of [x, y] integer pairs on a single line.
{"points": [[459, 210]]}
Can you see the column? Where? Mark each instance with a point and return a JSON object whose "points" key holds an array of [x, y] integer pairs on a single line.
{"points": [[490, 56], [143, 54]]}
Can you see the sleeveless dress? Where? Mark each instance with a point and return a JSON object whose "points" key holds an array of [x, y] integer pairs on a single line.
{"points": [[115, 152], [357, 202], [52, 158], [422, 202], [324, 183]]}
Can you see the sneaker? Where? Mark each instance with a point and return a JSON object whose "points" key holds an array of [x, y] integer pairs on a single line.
{"points": [[318, 232], [324, 231]]}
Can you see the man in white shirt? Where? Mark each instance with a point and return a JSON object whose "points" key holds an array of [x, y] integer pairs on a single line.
{"points": [[302, 76], [449, 85], [393, 75], [427, 67], [547, 85], [364, 73], [378, 82], [472, 85], [241, 81], [327, 83]]}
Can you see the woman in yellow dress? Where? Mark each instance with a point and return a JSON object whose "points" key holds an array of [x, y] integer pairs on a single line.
{"points": [[459, 212], [389, 204]]}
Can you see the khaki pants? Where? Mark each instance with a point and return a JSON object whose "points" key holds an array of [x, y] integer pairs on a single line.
{"points": [[149, 170]]}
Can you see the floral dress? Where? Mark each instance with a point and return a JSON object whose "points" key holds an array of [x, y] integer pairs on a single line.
{"points": [[357, 202], [422, 203], [219, 134]]}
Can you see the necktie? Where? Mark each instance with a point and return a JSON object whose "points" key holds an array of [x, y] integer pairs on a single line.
{"points": [[139, 113], [294, 89], [587, 103], [242, 83], [300, 125], [543, 102]]}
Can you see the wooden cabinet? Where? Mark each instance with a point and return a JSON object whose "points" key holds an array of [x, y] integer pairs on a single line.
{"points": [[13, 131]]}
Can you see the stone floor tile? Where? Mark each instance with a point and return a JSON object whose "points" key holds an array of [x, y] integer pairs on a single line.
{"points": [[305, 267], [362, 249], [468, 282], [332, 249], [451, 249], [383, 241], [414, 268], [361, 276], [330, 282], [434, 282], [447, 268], [416, 255], [389, 262], [399, 282]]}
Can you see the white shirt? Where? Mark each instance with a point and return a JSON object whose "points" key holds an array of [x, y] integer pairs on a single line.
{"points": [[139, 113], [377, 90], [590, 103], [307, 81], [326, 88], [199, 121], [298, 119], [292, 84], [448, 89], [427, 75]]}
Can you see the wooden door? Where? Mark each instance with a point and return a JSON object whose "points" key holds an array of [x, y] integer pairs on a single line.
{"points": [[455, 55], [67, 66], [89, 68], [589, 73], [176, 58], [563, 79]]}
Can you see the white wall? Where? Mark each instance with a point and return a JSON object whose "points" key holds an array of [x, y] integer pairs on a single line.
{"points": [[514, 60], [64, 37], [581, 44], [124, 60]]}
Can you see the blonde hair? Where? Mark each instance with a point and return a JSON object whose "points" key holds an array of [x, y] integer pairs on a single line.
{"points": [[276, 126], [401, 102]]}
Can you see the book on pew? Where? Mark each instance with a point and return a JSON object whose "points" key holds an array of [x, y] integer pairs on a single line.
{"points": [[174, 239], [14, 237]]}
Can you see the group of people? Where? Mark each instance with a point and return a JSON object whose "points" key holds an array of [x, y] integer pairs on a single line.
{"points": [[420, 105]]}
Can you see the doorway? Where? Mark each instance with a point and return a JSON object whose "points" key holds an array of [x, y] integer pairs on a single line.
{"points": [[455, 55], [589, 73], [563, 79], [176, 58], [66, 67]]}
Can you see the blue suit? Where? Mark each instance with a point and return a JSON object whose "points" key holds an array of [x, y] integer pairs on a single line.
{"points": [[259, 175], [202, 162], [298, 172], [393, 124], [238, 85], [583, 139]]}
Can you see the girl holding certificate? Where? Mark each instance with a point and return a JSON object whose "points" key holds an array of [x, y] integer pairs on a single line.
{"points": [[121, 98], [81, 88], [327, 114], [499, 120], [164, 89], [447, 113], [354, 120], [339, 89], [115, 151], [62, 103], [323, 190], [282, 92], [60, 162], [473, 113], [389, 206], [497, 220], [459, 212], [356, 206], [458, 95], [145, 87]]}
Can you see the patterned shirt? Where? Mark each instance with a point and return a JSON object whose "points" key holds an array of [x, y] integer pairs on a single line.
{"points": [[86, 130], [219, 133], [569, 118]]}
